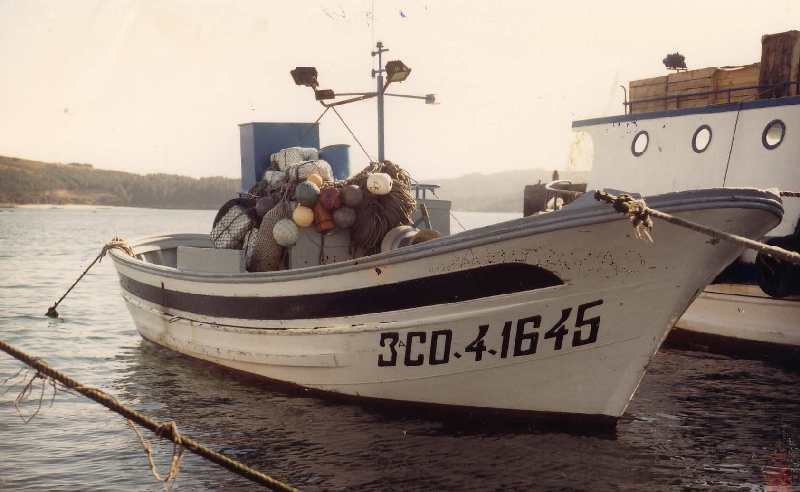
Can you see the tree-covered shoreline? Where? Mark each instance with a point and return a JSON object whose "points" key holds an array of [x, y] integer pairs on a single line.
{"points": [[24, 182]]}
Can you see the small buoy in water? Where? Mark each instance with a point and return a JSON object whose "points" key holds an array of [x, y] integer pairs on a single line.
{"points": [[323, 218], [344, 217], [315, 178], [306, 193], [285, 232], [352, 195], [379, 183], [264, 205], [330, 198], [303, 216]]}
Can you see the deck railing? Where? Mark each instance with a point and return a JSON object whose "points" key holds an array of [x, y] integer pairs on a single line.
{"points": [[761, 89]]}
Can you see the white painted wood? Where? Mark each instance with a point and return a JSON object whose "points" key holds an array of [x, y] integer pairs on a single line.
{"points": [[210, 260]]}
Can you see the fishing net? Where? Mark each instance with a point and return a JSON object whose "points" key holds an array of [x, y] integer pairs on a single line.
{"points": [[377, 214], [245, 203], [267, 254], [249, 246], [302, 170], [230, 229], [286, 157]]}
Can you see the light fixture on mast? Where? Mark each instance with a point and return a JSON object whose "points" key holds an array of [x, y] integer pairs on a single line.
{"points": [[395, 71]]}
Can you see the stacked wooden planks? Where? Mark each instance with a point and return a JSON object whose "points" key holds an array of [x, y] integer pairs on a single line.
{"points": [[693, 89]]}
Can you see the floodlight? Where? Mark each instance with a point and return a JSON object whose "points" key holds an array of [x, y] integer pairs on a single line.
{"points": [[306, 76], [323, 94], [396, 71], [430, 98]]}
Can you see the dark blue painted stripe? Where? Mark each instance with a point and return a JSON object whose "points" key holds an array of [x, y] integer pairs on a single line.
{"points": [[464, 285], [720, 108]]}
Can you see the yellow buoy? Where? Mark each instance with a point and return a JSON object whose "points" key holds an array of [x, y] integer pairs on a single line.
{"points": [[303, 216], [315, 178]]}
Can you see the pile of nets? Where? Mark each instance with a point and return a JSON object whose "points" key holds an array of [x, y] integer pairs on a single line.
{"points": [[297, 192], [379, 214]]}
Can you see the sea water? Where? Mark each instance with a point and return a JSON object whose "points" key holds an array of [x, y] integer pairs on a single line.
{"points": [[697, 421]]}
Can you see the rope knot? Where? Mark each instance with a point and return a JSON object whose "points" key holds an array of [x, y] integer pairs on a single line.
{"points": [[169, 430], [116, 243], [635, 209]]}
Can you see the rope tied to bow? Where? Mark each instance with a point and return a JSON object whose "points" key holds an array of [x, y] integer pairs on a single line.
{"points": [[115, 243], [641, 215], [635, 209]]}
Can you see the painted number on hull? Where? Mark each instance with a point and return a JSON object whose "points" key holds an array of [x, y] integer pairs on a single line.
{"points": [[517, 339]]}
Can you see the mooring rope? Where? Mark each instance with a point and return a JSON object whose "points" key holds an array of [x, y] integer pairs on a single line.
{"points": [[115, 243], [640, 215], [167, 430], [793, 194]]}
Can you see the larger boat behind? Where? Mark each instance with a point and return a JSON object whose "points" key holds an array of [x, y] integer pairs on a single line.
{"points": [[718, 127]]}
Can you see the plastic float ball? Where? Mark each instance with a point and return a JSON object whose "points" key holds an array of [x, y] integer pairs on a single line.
{"points": [[316, 179], [344, 217], [264, 205], [352, 195], [323, 218], [285, 233], [303, 216], [379, 183], [330, 198], [306, 193]]}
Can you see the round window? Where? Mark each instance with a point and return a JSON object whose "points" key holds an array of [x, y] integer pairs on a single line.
{"points": [[773, 134], [701, 138], [639, 144]]}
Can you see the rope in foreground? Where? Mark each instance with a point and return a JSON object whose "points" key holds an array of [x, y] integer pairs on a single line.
{"points": [[167, 430], [641, 218]]}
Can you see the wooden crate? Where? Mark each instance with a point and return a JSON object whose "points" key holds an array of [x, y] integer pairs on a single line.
{"points": [[694, 88], [780, 62], [746, 76]]}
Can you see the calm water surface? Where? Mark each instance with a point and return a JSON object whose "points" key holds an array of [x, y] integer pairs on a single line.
{"points": [[697, 421]]}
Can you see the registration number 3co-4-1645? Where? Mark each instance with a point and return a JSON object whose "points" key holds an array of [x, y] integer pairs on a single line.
{"points": [[517, 339]]}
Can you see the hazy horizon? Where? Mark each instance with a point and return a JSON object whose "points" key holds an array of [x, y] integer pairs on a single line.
{"points": [[161, 86]]}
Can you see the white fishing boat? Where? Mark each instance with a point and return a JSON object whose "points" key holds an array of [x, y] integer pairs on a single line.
{"points": [[557, 314], [712, 127]]}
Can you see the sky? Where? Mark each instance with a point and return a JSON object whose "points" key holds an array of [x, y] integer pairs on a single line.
{"points": [[161, 86]]}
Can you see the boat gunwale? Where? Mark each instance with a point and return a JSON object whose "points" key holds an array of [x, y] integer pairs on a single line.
{"points": [[567, 217]]}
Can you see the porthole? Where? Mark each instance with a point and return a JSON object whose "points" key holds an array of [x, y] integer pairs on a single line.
{"points": [[773, 134], [639, 144], [701, 138]]}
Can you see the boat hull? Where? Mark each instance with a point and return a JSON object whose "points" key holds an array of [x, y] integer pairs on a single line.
{"points": [[740, 319], [574, 308]]}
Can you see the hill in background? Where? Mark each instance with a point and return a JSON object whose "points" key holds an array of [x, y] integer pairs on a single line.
{"points": [[32, 182]]}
